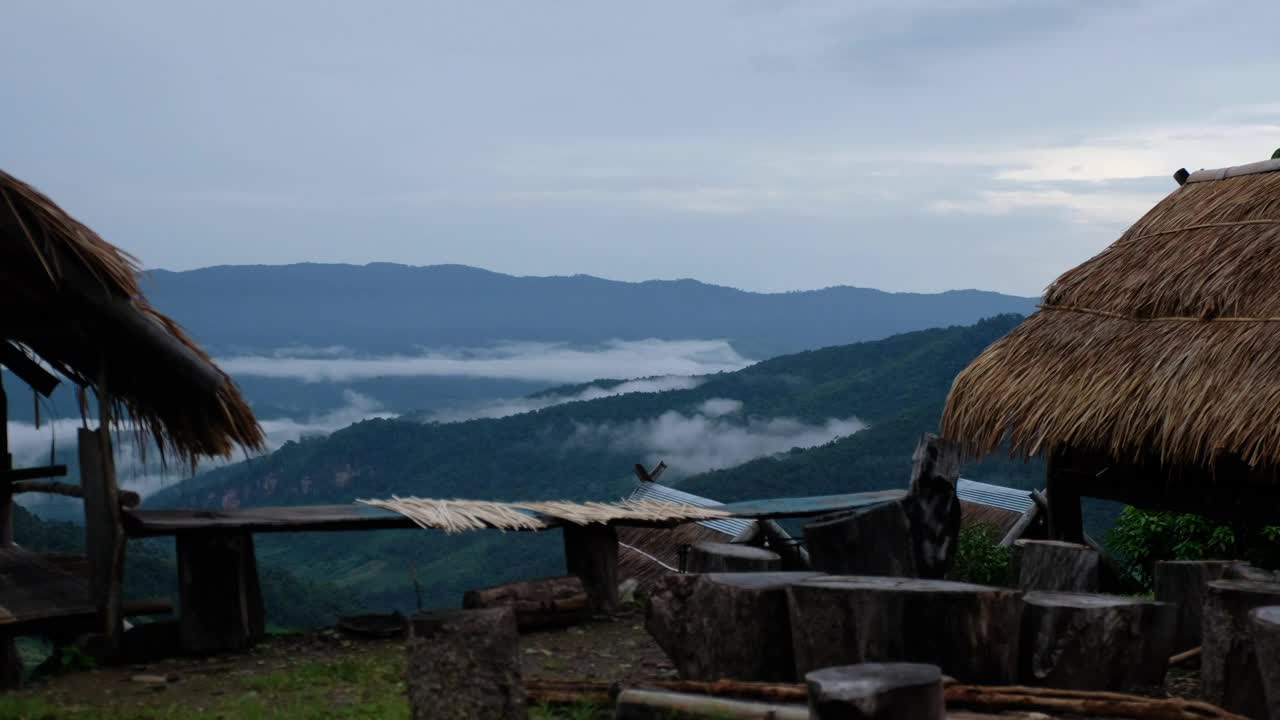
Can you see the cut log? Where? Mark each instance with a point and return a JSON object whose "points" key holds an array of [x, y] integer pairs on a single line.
{"points": [[1266, 642], [716, 557], [1076, 641], [970, 631], [219, 598], [1184, 583], [465, 665], [731, 625], [1229, 665], [1054, 566], [875, 540], [877, 691], [550, 602], [932, 508], [591, 553], [663, 705]]}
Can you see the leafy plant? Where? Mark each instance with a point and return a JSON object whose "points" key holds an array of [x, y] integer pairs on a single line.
{"points": [[980, 558], [1144, 537], [73, 659]]}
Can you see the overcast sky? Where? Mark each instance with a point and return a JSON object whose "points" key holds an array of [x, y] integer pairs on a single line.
{"points": [[763, 144]]}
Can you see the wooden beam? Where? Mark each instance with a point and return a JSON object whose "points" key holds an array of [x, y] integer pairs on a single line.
{"points": [[128, 498], [1020, 527], [104, 533], [650, 475], [6, 463], [14, 475], [27, 370]]}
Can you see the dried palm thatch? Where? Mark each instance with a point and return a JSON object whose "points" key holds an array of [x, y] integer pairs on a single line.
{"points": [[72, 299], [1166, 344], [458, 515]]}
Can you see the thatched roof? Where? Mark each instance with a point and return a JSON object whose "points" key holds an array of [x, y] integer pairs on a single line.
{"points": [[1166, 344], [72, 299]]}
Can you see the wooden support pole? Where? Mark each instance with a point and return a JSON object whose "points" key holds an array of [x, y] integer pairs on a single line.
{"points": [[104, 533], [591, 553], [1066, 521], [6, 463]]}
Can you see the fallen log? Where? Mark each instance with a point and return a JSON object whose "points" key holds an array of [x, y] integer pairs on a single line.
{"points": [[978, 698], [545, 603], [662, 705], [1186, 656]]}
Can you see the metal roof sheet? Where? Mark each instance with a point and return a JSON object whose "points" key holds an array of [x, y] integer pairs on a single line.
{"points": [[656, 491], [994, 495]]}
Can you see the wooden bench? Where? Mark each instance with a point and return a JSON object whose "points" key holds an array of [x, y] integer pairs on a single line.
{"points": [[220, 599]]}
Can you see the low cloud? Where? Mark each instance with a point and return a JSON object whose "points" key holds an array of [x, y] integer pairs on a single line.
{"points": [[710, 439], [1101, 207], [139, 469], [516, 406], [547, 362]]}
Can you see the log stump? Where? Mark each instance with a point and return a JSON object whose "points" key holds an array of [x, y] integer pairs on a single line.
{"points": [[1054, 566], [970, 631], [465, 665], [715, 557], [932, 508], [1266, 641], [1075, 641], [1183, 583], [545, 603], [877, 691], [875, 540], [219, 597], [725, 625], [1229, 665]]}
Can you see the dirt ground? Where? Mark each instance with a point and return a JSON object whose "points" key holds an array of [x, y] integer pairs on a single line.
{"points": [[327, 672]]}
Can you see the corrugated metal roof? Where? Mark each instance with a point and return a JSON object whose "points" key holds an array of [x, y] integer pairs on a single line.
{"points": [[1018, 501], [656, 491]]}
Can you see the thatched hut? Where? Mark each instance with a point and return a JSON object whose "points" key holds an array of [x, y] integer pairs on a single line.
{"points": [[70, 305], [1150, 373], [72, 300]]}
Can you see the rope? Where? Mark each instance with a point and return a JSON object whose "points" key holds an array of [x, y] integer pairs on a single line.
{"points": [[1166, 318], [1201, 226], [638, 550]]}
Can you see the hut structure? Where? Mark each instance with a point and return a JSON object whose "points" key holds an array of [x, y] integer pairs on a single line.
{"points": [[1150, 374], [71, 307]]}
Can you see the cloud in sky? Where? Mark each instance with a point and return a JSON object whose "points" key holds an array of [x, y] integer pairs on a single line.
{"points": [[711, 438], [770, 145], [515, 406], [551, 362]]}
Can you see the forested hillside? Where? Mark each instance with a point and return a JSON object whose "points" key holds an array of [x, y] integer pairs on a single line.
{"points": [[583, 450]]}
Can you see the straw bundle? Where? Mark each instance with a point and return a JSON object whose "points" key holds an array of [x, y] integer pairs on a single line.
{"points": [[1167, 343], [458, 515]]}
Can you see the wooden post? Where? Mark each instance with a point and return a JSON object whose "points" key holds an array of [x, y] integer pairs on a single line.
{"points": [[932, 506], [6, 463], [218, 592], [1066, 521], [591, 553], [104, 533]]}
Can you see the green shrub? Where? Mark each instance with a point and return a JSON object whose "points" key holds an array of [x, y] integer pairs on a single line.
{"points": [[1142, 537], [980, 558]]}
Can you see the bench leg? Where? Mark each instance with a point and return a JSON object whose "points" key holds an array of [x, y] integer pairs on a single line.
{"points": [[591, 553], [10, 664], [218, 592]]}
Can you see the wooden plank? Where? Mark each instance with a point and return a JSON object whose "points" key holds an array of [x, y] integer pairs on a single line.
{"points": [[307, 518], [128, 498], [33, 589], [809, 506], [13, 475]]}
